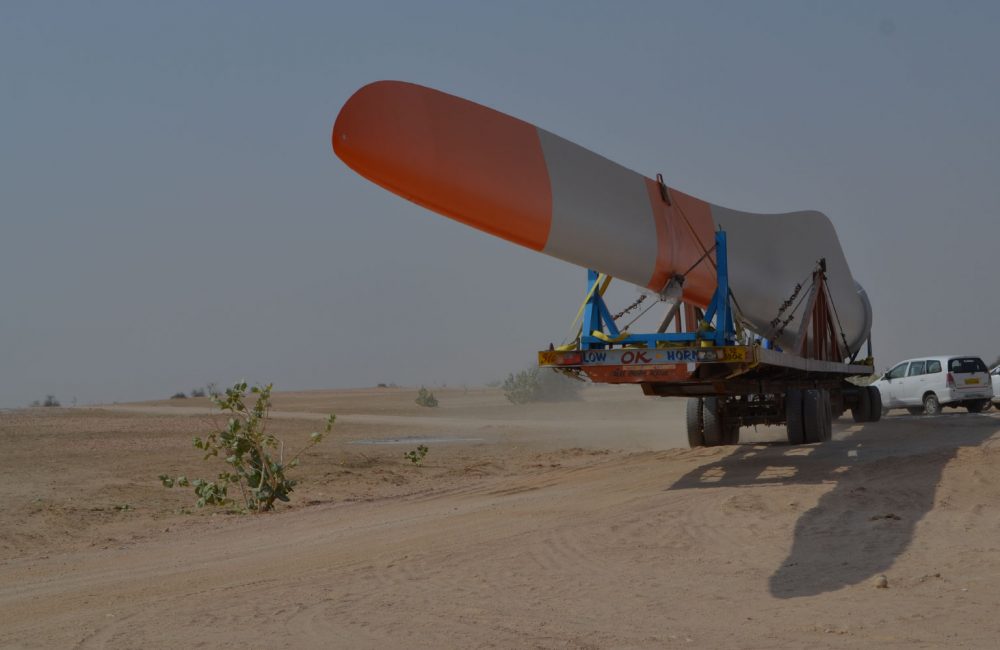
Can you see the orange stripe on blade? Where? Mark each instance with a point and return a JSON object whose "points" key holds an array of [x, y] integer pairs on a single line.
{"points": [[461, 159], [684, 232]]}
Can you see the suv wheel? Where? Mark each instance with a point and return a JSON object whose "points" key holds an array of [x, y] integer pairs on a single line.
{"points": [[931, 404]]}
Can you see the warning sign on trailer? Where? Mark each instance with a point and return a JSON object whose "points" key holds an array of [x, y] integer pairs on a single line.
{"points": [[642, 357]]}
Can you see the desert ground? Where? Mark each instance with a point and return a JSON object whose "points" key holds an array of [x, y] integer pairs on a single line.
{"points": [[573, 525]]}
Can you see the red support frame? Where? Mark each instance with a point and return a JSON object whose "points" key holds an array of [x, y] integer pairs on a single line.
{"points": [[819, 336]]}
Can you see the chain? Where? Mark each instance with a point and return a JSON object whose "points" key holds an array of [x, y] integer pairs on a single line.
{"points": [[785, 305], [631, 307], [781, 330], [779, 324]]}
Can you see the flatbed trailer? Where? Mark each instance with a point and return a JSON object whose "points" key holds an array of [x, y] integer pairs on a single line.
{"points": [[729, 383]]}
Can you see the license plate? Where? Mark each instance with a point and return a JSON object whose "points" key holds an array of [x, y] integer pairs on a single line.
{"points": [[972, 380]]}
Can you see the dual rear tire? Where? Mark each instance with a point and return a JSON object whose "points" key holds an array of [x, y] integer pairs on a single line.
{"points": [[869, 405], [707, 425], [808, 416], [977, 406]]}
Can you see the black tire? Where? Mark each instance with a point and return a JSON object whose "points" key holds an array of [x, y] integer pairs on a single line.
{"points": [[813, 414], [862, 410], [793, 416], [827, 417], [931, 404], [695, 423], [712, 429], [915, 410], [874, 404], [977, 406]]}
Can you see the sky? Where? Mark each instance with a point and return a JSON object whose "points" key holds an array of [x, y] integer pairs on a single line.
{"points": [[172, 214]]}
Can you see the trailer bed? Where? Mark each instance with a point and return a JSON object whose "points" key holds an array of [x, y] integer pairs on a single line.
{"points": [[713, 370]]}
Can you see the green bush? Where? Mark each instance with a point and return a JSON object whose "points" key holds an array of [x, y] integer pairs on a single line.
{"points": [[417, 454], [426, 398], [247, 449]]}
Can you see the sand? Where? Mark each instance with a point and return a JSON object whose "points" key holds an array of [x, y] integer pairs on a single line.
{"points": [[573, 525]]}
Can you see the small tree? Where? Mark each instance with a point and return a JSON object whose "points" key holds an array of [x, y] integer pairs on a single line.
{"points": [[417, 455], [426, 398], [522, 387], [246, 448]]}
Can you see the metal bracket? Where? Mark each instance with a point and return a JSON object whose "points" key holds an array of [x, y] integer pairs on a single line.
{"points": [[664, 193]]}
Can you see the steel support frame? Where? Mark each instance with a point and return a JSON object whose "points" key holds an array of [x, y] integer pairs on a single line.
{"points": [[818, 334], [597, 317]]}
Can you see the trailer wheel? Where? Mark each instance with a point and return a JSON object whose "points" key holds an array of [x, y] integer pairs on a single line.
{"points": [[813, 415], [695, 423], [874, 404], [977, 406], [827, 416], [793, 416], [861, 412], [713, 427]]}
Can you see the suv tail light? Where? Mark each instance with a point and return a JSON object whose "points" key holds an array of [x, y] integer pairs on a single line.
{"points": [[951, 380]]}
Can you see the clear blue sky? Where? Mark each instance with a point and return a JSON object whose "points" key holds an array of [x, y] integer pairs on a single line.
{"points": [[172, 213]]}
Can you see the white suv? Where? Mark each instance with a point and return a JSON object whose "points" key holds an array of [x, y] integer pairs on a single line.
{"points": [[924, 385]]}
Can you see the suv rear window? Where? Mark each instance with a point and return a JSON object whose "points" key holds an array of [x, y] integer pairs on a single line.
{"points": [[933, 366], [966, 364]]}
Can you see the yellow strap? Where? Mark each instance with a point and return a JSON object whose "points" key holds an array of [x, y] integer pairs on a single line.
{"points": [[600, 286], [597, 334], [604, 287]]}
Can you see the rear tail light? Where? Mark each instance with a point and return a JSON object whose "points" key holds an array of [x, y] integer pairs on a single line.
{"points": [[951, 380]]}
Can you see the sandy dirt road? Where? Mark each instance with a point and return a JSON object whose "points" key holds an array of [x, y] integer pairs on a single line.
{"points": [[576, 525]]}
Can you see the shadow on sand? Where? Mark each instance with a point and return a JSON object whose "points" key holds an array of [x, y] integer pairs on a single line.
{"points": [[884, 475]]}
